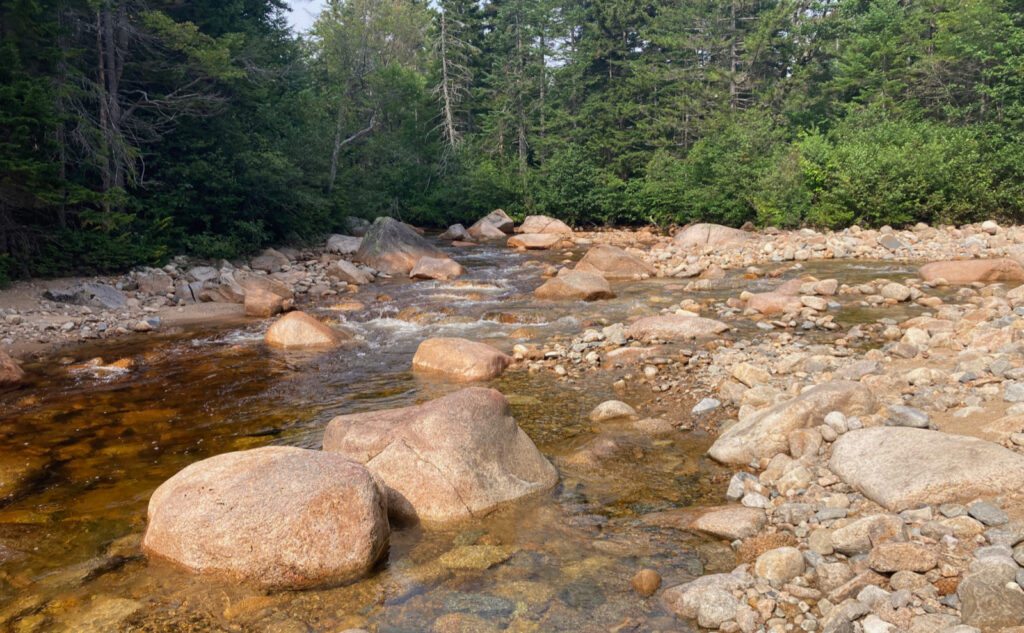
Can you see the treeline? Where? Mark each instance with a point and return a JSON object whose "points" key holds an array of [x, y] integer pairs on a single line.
{"points": [[131, 130]]}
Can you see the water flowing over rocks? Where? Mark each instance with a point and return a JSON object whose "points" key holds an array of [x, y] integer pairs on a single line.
{"points": [[459, 359], [447, 460], [899, 467], [298, 329], [277, 517], [765, 434], [393, 247]]}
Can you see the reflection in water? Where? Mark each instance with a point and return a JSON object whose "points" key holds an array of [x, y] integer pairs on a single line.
{"points": [[86, 448]]}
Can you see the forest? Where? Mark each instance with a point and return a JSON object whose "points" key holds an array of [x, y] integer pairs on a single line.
{"points": [[135, 130]]}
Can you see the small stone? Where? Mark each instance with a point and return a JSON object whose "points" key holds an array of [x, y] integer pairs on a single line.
{"points": [[646, 582], [892, 557], [780, 565], [611, 409], [907, 416], [988, 513], [706, 405]]}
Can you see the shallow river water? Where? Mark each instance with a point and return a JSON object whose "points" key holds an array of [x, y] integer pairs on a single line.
{"points": [[98, 442]]}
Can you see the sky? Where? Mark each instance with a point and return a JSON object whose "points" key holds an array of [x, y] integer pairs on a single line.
{"points": [[303, 13]]}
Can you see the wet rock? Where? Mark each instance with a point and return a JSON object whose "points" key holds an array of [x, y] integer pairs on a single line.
{"points": [[729, 522], [900, 467], [765, 434], [535, 241], [276, 517], [393, 247], [990, 599], [103, 613], [449, 459], [477, 557], [583, 594], [544, 224], [481, 604], [441, 268], [646, 582], [710, 235], [462, 623], [575, 286], [91, 294], [780, 565], [459, 359], [11, 374], [298, 329], [612, 262], [17, 472], [343, 244], [611, 409], [494, 225], [674, 327], [969, 271], [892, 557], [346, 271]]}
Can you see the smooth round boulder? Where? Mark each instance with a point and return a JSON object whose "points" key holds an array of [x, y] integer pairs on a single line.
{"points": [[394, 247], [277, 517], [710, 235], [970, 270], [447, 460], [610, 410], [575, 286], [544, 224], [298, 329], [440, 268], [459, 359], [611, 262]]}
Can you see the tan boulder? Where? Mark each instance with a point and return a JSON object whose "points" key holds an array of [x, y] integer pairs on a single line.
{"points": [[263, 303], [494, 225], [674, 327], [394, 247], [535, 241], [11, 374], [710, 235], [729, 522], [348, 272], [901, 467], [298, 329], [459, 359], [450, 459], [611, 262], [765, 433], [773, 302], [575, 286], [971, 270], [441, 268], [277, 517], [544, 224]]}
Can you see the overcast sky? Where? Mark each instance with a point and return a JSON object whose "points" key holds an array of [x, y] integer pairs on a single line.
{"points": [[303, 13]]}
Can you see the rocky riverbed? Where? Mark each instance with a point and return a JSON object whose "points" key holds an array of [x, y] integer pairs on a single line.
{"points": [[753, 431]]}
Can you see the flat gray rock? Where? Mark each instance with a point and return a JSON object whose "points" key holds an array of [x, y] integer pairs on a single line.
{"points": [[89, 294], [901, 467]]}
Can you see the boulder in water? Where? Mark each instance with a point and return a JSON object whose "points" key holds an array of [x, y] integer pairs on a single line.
{"points": [[459, 359], [11, 374], [263, 303], [456, 232], [544, 224], [611, 262], [535, 241], [494, 225], [449, 459], [441, 268], [298, 329], [349, 273], [575, 286], [971, 270], [393, 247], [710, 235], [278, 517]]}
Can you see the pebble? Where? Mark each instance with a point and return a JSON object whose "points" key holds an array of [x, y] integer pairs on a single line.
{"points": [[988, 513]]}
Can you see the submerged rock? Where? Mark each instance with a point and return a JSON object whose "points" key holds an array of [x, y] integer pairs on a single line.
{"points": [[393, 247], [277, 517], [298, 329], [460, 359], [764, 434], [900, 467], [453, 458]]}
